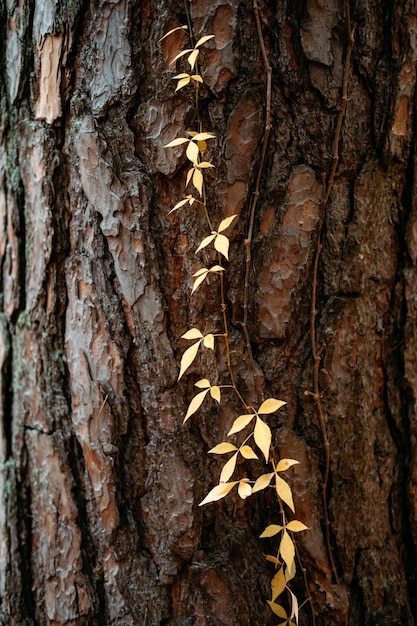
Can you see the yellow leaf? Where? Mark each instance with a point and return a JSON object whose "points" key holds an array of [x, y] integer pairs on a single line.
{"points": [[290, 572], [194, 333], [176, 142], [284, 491], [240, 423], [270, 558], [209, 341], [270, 406], [216, 268], [202, 145], [270, 531], [295, 526], [277, 609], [206, 241], [173, 31], [189, 174], [182, 83], [197, 78], [179, 204], [204, 383], [181, 54], [203, 136], [263, 436], [228, 469], [247, 452], [205, 165], [278, 584], [215, 393], [198, 180], [244, 489], [286, 549], [183, 75], [262, 482], [195, 404], [218, 492], [201, 271], [188, 357], [193, 57], [226, 223], [199, 280], [221, 243], [203, 40], [192, 152], [284, 464], [223, 448], [294, 610]]}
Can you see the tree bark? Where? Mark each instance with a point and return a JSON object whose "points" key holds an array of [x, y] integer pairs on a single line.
{"points": [[99, 480]]}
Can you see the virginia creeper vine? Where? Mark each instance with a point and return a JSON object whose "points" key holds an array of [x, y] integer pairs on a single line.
{"points": [[251, 425]]}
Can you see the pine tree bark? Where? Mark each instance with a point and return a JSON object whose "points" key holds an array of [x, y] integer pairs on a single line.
{"points": [[99, 481]]}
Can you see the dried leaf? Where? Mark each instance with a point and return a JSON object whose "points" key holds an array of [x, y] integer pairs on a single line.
{"points": [[262, 482], [192, 152], [277, 609], [278, 584], [226, 223], [284, 492], [201, 271], [209, 341], [204, 383], [244, 489], [223, 448], [218, 492], [198, 180], [228, 469], [176, 142], [216, 268], [194, 333], [180, 54], [240, 423], [247, 452], [284, 464], [295, 526], [272, 559], [193, 57], [221, 243], [182, 83], [179, 204], [270, 406], [205, 164], [198, 281], [286, 549], [206, 241], [173, 31], [188, 357], [189, 174], [203, 136], [290, 572], [271, 530], [203, 40], [263, 436], [195, 404], [215, 393], [294, 609], [197, 78], [178, 76]]}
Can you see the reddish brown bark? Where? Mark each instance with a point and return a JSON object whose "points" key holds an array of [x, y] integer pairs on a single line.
{"points": [[100, 482]]}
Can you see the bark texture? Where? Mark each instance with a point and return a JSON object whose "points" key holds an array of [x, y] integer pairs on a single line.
{"points": [[99, 481]]}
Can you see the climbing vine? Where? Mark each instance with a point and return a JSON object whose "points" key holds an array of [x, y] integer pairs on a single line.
{"points": [[250, 436]]}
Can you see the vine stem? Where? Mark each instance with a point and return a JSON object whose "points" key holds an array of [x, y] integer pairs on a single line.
{"points": [[313, 312], [256, 192]]}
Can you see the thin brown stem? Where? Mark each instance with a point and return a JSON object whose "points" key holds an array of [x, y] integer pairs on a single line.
{"points": [[313, 314], [256, 192]]}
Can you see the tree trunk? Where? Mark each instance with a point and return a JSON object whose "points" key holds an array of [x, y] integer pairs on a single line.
{"points": [[100, 482]]}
